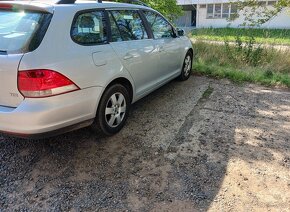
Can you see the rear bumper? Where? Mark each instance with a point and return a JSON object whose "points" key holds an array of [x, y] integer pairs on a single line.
{"points": [[51, 133], [45, 117]]}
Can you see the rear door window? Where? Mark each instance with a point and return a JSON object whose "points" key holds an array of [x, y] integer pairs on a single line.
{"points": [[19, 28], [129, 24], [115, 32], [89, 28]]}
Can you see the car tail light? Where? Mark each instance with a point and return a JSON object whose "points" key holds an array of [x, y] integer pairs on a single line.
{"points": [[44, 83], [6, 6]]}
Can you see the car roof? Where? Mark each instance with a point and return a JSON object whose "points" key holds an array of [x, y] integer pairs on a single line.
{"points": [[31, 5], [104, 4], [80, 4]]}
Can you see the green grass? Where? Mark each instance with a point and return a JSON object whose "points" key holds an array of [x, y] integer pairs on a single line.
{"points": [[238, 76], [273, 67], [265, 36]]}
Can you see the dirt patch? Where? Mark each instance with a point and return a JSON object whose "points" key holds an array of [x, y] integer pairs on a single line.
{"points": [[199, 145]]}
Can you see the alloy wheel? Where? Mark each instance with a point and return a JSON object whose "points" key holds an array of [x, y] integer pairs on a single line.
{"points": [[115, 110], [187, 66]]}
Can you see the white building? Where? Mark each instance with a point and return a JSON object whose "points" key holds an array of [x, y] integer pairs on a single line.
{"points": [[216, 13]]}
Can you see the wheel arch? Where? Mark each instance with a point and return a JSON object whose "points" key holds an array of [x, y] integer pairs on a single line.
{"points": [[119, 80], [99, 124], [190, 50], [186, 50], [126, 83]]}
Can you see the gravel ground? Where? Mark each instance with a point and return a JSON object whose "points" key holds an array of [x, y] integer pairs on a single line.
{"points": [[198, 145]]}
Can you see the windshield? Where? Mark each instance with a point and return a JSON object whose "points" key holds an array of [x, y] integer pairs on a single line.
{"points": [[17, 29]]}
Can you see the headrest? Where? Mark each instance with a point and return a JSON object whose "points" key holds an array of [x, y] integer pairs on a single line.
{"points": [[87, 22]]}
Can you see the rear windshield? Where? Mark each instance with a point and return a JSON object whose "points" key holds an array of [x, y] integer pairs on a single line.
{"points": [[21, 31]]}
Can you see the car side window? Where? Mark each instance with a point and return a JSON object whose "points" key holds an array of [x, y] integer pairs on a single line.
{"points": [[89, 28], [160, 26], [115, 32], [129, 24]]}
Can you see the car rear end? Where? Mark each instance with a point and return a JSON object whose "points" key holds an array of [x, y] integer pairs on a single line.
{"points": [[36, 101], [20, 32]]}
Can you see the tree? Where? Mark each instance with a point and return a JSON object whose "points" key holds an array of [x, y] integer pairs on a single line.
{"points": [[168, 8], [257, 12]]}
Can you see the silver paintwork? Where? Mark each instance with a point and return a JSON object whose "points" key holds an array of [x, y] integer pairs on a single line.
{"points": [[146, 64], [9, 94]]}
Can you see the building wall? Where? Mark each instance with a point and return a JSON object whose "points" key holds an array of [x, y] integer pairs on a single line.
{"points": [[185, 20], [281, 21]]}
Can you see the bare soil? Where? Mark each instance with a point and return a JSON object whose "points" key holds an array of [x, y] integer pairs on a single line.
{"points": [[201, 145]]}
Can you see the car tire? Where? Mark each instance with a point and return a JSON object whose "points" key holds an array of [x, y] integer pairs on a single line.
{"points": [[187, 67], [113, 110]]}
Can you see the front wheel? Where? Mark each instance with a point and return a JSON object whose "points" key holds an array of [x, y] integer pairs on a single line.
{"points": [[187, 67], [113, 110]]}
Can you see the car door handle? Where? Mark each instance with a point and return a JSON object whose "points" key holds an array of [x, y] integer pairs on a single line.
{"points": [[128, 56]]}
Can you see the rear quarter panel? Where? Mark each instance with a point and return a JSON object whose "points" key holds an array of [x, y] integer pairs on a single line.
{"points": [[9, 94], [60, 53]]}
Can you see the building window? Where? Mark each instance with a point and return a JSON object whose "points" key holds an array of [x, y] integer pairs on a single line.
{"points": [[262, 3], [234, 10], [272, 3], [217, 11], [226, 11], [209, 11]]}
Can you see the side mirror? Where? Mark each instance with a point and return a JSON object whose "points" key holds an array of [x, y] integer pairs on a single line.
{"points": [[174, 32], [180, 32]]}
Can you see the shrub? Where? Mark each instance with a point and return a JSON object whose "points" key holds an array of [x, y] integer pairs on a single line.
{"points": [[248, 52], [243, 61]]}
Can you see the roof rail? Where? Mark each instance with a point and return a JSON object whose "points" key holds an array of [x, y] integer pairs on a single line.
{"points": [[139, 2], [66, 2], [100, 1], [71, 1]]}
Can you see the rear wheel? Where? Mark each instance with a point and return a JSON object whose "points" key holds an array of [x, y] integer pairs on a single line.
{"points": [[187, 67], [113, 110]]}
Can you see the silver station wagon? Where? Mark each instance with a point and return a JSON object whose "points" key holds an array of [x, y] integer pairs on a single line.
{"points": [[71, 64]]}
